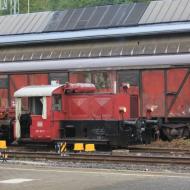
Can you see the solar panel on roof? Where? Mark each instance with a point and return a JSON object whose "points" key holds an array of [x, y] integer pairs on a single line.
{"points": [[74, 19], [65, 20], [85, 17], [135, 14], [97, 16], [126, 15], [55, 21], [123, 13]]}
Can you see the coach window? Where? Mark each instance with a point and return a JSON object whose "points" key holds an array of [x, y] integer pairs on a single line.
{"points": [[129, 76], [3, 81], [61, 78], [4, 90], [101, 79], [57, 102]]}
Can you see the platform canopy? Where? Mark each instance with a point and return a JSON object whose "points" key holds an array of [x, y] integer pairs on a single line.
{"points": [[33, 91]]}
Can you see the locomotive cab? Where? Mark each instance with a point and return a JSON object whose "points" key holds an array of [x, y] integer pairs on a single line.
{"points": [[40, 122]]}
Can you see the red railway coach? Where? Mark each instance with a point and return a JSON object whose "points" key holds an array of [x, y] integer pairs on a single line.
{"points": [[158, 94]]}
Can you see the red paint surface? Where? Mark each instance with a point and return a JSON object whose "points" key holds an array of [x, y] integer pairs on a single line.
{"points": [[4, 98], [153, 92]]}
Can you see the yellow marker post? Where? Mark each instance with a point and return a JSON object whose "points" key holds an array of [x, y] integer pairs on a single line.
{"points": [[78, 147], [3, 144], [90, 148], [3, 147]]}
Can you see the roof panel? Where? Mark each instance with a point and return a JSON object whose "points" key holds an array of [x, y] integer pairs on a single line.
{"points": [[179, 10], [11, 25], [154, 15], [74, 19], [125, 13], [185, 14], [37, 23], [26, 25], [42, 22], [175, 5], [85, 17], [55, 20], [6, 28], [4, 23], [106, 20], [164, 10], [20, 20], [148, 12], [65, 20], [97, 16], [135, 14], [121, 13]]}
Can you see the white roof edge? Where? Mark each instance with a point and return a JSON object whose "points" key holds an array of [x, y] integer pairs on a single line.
{"points": [[36, 91]]}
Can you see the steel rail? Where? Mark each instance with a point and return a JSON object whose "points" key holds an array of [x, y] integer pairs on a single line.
{"points": [[99, 158]]}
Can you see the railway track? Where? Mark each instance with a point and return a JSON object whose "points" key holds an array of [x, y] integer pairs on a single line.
{"points": [[100, 158], [140, 149]]}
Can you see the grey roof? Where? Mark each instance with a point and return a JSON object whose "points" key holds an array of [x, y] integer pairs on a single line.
{"points": [[136, 62], [95, 34], [166, 11], [24, 23], [95, 22]]}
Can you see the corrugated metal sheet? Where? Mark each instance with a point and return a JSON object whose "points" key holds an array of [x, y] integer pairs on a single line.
{"points": [[171, 13], [166, 11], [185, 15], [24, 23], [179, 10]]}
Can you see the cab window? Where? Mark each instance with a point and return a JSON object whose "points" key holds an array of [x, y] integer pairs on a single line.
{"points": [[57, 106]]}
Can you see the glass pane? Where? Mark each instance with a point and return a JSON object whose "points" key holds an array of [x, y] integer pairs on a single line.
{"points": [[130, 76], [3, 81], [61, 78]]}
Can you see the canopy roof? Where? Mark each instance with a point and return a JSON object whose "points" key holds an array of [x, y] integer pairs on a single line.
{"points": [[33, 91]]}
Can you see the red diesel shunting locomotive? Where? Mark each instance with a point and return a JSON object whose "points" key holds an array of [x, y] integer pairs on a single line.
{"points": [[75, 113]]}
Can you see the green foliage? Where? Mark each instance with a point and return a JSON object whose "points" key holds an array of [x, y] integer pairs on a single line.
{"points": [[51, 5]]}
